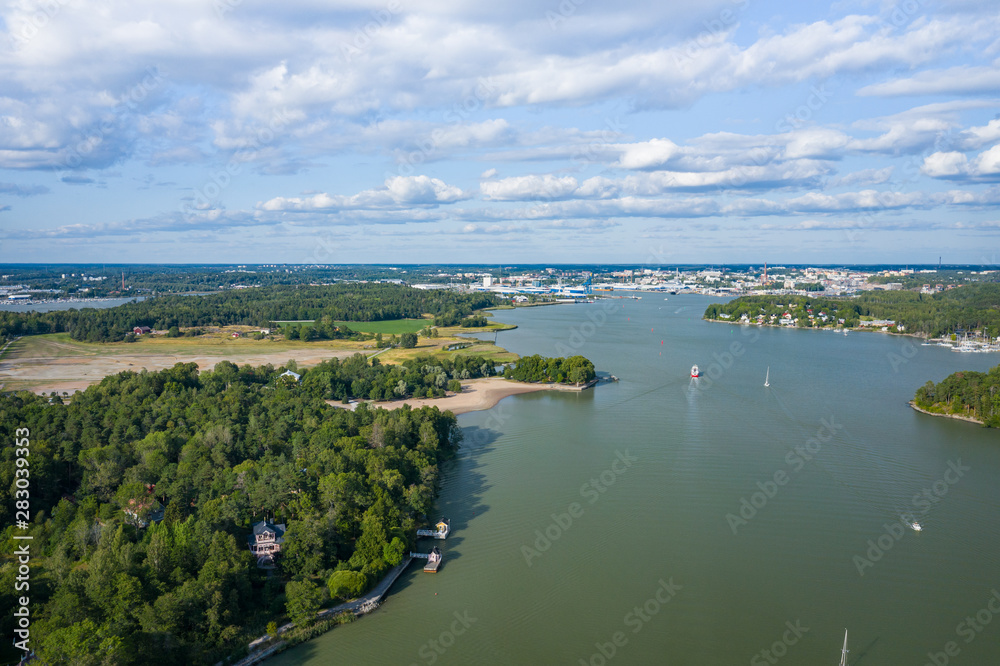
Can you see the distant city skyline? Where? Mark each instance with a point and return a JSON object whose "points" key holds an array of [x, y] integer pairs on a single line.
{"points": [[569, 132]]}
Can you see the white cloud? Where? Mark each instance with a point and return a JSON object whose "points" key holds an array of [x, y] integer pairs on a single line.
{"points": [[987, 163], [399, 191], [975, 138], [961, 80], [945, 165], [863, 177], [654, 153], [954, 165], [529, 188]]}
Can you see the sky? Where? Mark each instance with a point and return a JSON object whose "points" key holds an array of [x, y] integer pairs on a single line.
{"points": [[529, 131]]}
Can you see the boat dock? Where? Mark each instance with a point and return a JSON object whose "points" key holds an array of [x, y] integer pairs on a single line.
{"points": [[433, 558], [366, 603], [440, 531]]}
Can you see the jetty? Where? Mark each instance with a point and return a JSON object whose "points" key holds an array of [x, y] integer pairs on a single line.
{"points": [[433, 558], [440, 531]]}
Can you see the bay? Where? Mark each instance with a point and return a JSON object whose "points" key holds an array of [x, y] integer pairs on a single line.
{"points": [[592, 528], [48, 306]]}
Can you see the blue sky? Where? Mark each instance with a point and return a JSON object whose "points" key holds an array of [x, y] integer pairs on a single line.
{"points": [[564, 131]]}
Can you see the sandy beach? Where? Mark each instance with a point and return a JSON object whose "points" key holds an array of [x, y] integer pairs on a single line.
{"points": [[477, 394]]}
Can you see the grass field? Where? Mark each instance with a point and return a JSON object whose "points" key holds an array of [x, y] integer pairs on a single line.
{"points": [[389, 327], [57, 362], [434, 347], [60, 345]]}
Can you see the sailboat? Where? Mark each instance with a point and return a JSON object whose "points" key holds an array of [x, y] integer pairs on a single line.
{"points": [[767, 376], [843, 654]]}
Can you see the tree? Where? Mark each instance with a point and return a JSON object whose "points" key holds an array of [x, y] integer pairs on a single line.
{"points": [[408, 340], [347, 584], [173, 332], [303, 600], [455, 386], [392, 552], [305, 550]]}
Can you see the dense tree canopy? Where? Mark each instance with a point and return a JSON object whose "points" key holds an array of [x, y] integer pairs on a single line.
{"points": [[420, 377], [219, 450], [572, 370], [972, 394]]}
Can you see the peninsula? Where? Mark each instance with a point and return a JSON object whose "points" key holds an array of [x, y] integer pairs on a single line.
{"points": [[968, 396]]}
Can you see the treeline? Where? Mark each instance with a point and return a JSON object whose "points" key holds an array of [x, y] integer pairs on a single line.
{"points": [[970, 307], [219, 451], [250, 307], [972, 394], [572, 370]]}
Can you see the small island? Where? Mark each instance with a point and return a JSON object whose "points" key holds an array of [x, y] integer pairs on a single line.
{"points": [[967, 396]]}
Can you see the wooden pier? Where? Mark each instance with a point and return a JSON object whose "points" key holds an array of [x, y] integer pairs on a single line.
{"points": [[440, 531], [433, 559]]}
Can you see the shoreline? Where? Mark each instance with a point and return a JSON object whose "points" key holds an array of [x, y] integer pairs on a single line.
{"points": [[477, 395], [967, 419], [919, 336]]}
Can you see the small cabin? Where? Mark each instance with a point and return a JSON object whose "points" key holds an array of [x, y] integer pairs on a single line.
{"points": [[265, 542], [291, 376], [433, 561], [142, 330]]}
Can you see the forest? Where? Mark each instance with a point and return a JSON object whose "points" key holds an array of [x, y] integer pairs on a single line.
{"points": [[971, 394], [974, 307], [251, 307], [217, 451], [214, 452]]}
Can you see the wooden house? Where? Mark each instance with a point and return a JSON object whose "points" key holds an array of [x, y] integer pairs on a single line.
{"points": [[265, 542]]}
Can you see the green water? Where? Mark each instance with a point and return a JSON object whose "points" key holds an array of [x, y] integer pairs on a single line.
{"points": [[695, 449]]}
